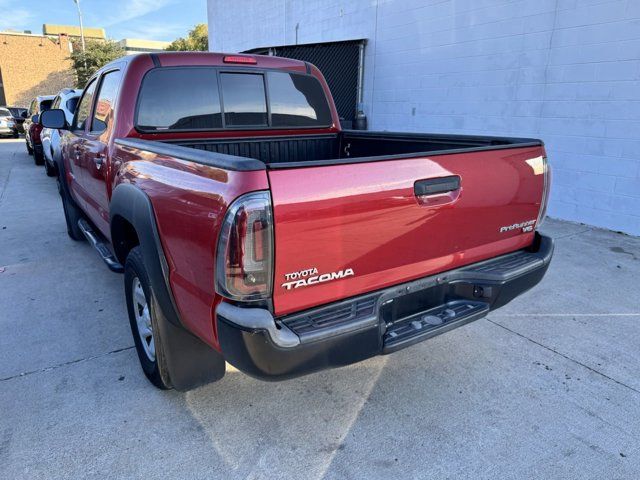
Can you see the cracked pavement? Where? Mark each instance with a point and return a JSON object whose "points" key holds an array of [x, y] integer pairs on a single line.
{"points": [[547, 387]]}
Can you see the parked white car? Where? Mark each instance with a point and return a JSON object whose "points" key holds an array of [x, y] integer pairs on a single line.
{"points": [[7, 124], [66, 100]]}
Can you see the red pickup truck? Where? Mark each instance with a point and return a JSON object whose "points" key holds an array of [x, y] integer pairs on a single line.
{"points": [[251, 229]]}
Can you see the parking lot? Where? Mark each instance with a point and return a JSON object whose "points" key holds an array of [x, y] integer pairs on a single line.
{"points": [[547, 387]]}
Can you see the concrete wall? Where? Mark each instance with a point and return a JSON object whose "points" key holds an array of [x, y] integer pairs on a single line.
{"points": [[567, 71], [34, 65]]}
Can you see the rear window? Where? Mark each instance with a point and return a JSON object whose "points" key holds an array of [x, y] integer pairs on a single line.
{"points": [[45, 105], [179, 99], [201, 98], [245, 103], [297, 100]]}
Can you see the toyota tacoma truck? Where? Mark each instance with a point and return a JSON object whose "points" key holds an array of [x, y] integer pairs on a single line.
{"points": [[251, 229]]}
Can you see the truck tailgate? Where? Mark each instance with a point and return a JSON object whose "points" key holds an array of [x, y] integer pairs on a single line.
{"points": [[344, 230]]}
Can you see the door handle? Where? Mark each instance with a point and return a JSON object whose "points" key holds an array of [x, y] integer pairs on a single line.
{"points": [[438, 191], [434, 186]]}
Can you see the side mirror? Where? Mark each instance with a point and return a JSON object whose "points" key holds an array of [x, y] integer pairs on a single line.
{"points": [[54, 119], [35, 118]]}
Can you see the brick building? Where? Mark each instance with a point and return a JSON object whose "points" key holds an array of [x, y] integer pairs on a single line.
{"points": [[564, 71], [32, 65]]}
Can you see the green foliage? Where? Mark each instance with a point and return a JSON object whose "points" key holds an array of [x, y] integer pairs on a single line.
{"points": [[97, 54], [197, 40]]}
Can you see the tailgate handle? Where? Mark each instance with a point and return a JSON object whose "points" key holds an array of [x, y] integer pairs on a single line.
{"points": [[435, 186]]}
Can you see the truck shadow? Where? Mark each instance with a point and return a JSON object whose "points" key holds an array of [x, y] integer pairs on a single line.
{"points": [[309, 416]]}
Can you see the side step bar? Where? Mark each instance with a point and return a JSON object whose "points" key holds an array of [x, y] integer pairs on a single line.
{"points": [[101, 247]]}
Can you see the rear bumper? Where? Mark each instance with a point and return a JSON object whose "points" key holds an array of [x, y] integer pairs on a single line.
{"points": [[375, 323]]}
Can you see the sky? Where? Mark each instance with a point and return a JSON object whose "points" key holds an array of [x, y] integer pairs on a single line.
{"points": [[146, 19]]}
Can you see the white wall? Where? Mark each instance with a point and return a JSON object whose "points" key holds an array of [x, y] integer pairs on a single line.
{"points": [[566, 71]]}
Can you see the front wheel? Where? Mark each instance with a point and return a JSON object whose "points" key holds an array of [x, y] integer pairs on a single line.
{"points": [[143, 316]]}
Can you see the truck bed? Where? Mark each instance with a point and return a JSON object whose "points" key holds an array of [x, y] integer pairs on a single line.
{"points": [[379, 202], [350, 146]]}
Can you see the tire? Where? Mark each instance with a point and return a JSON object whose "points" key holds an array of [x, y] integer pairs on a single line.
{"points": [[71, 214], [29, 149], [144, 313], [38, 157], [49, 169], [16, 135]]}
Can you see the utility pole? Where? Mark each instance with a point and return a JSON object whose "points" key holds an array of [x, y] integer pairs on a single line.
{"points": [[77, 2]]}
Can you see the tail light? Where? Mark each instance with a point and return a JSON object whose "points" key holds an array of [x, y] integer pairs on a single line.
{"points": [[36, 131], [244, 259], [545, 191]]}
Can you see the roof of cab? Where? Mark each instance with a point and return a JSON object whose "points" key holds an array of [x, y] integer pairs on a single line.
{"points": [[174, 59]]}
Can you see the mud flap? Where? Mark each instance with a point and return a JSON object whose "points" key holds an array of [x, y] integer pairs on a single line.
{"points": [[189, 362]]}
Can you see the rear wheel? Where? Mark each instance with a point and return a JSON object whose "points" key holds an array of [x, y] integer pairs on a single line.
{"points": [[143, 312], [71, 214], [38, 157], [49, 169]]}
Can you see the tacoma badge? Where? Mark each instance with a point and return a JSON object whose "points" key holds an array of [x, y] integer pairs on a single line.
{"points": [[310, 276]]}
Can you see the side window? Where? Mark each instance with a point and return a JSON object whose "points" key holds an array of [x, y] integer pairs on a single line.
{"points": [[84, 107], [69, 108], [244, 99], [71, 104], [56, 103], [103, 113]]}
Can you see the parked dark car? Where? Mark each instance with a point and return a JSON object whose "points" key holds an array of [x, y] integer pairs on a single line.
{"points": [[33, 127], [7, 124], [19, 115]]}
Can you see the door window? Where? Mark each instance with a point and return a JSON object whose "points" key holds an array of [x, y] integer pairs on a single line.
{"points": [[103, 113], [84, 107]]}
